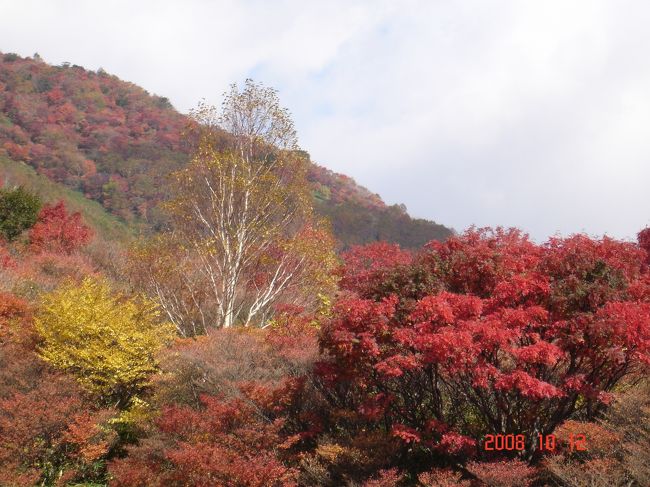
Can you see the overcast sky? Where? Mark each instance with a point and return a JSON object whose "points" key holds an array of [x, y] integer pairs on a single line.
{"points": [[533, 114]]}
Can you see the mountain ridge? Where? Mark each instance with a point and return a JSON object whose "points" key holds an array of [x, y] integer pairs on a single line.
{"points": [[114, 142]]}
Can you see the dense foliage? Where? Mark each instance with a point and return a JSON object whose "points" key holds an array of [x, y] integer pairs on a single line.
{"points": [[57, 231], [107, 342], [18, 211], [116, 144], [226, 403], [382, 367], [487, 333], [242, 238], [397, 383], [108, 227], [51, 431], [90, 131], [491, 334]]}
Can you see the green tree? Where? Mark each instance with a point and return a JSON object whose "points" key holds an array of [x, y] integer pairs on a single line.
{"points": [[18, 211]]}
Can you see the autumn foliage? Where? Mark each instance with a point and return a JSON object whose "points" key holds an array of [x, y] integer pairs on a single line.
{"points": [[495, 334], [242, 235], [617, 445], [107, 341], [396, 382], [116, 143], [226, 413], [644, 242], [233, 346], [88, 130], [368, 266], [58, 231], [224, 442], [51, 433]]}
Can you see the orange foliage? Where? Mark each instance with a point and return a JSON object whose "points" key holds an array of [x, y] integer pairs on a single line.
{"points": [[442, 478], [6, 262], [224, 443], [85, 434], [48, 269], [512, 473], [44, 418], [598, 439], [15, 317]]}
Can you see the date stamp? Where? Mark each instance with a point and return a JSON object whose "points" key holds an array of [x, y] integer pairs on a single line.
{"points": [[511, 442]]}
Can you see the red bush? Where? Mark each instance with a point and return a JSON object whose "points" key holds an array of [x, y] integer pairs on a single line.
{"points": [[366, 266], [15, 322], [19, 368], [58, 231], [247, 423], [225, 443], [6, 262], [644, 242], [385, 478], [45, 435], [16, 152], [522, 337]]}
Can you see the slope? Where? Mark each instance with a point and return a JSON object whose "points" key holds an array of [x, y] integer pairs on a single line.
{"points": [[108, 226], [115, 143]]}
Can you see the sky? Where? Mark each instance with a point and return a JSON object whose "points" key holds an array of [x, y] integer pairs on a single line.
{"points": [[526, 113]]}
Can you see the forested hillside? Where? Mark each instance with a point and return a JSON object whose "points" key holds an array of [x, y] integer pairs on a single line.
{"points": [[109, 227], [115, 143]]}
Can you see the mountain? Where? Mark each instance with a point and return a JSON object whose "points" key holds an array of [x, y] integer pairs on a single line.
{"points": [[115, 143]]}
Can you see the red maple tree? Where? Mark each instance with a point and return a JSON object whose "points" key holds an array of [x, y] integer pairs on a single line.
{"points": [[56, 230]]}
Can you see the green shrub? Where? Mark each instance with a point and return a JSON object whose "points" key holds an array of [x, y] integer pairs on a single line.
{"points": [[18, 211]]}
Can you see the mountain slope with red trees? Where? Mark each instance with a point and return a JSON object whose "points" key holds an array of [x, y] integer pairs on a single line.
{"points": [[116, 143]]}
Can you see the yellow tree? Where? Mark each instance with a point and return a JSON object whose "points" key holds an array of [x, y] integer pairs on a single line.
{"points": [[107, 341], [242, 221]]}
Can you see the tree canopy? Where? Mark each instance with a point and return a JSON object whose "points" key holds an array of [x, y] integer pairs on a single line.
{"points": [[106, 341], [243, 232], [18, 211]]}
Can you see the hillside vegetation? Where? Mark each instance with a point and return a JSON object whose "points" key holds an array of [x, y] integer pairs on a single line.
{"points": [[234, 346], [115, 143], [108, 226]]}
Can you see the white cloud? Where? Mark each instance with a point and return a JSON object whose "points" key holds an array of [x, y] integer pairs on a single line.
{"points": [[512, 112]]}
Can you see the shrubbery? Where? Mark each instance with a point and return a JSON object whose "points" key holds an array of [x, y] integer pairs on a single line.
{"points": [[275, 374], [18, 211], [490, 333]]}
